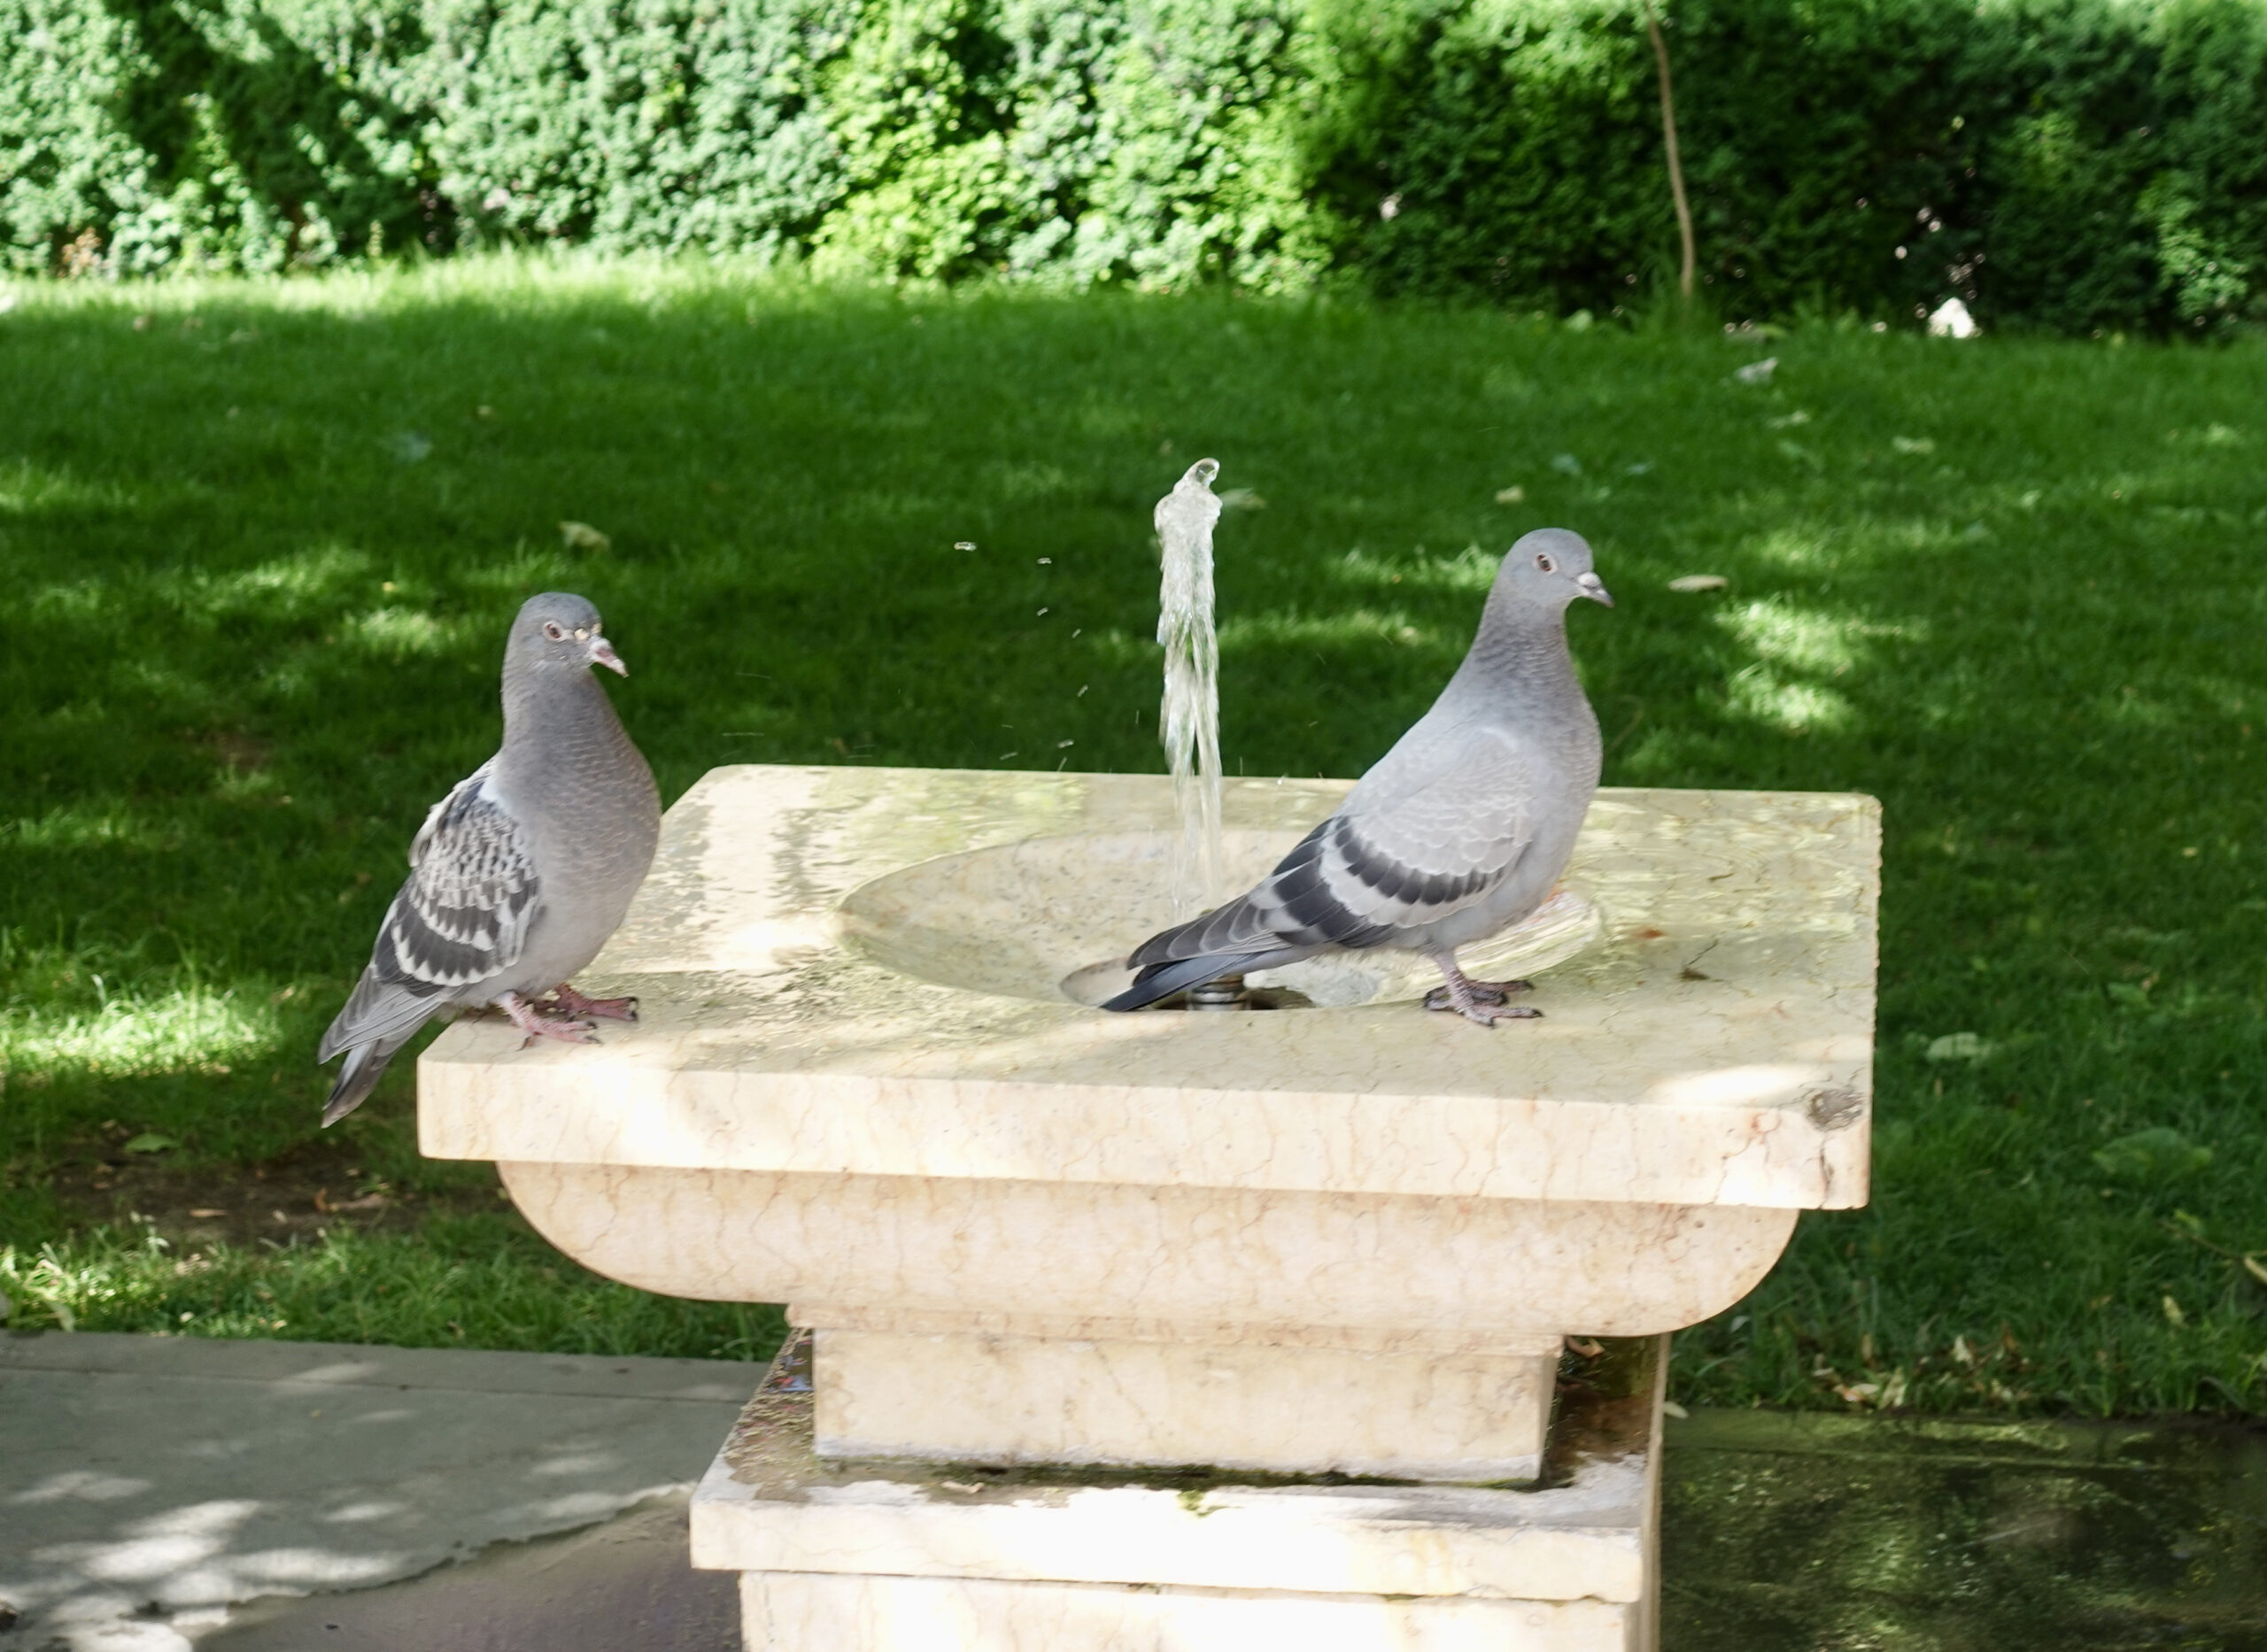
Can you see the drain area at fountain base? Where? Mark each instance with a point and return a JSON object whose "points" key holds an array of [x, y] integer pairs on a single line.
{"points": [[1163, 1330]]}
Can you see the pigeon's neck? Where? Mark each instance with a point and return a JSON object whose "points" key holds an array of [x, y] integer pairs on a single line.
{"points": [[553, 723], [1526, 645]]}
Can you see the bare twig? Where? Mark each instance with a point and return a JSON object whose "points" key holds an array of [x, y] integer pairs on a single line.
{"points": [[1676, 165]]}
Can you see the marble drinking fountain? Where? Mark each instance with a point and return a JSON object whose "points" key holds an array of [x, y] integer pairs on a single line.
{"points": [[1179, 1330]]}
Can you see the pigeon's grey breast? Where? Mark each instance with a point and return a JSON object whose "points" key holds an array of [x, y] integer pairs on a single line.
{"points": [[591, 815]]}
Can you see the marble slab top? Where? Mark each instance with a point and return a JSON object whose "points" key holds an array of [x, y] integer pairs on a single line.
{"points": [[863, 971]]}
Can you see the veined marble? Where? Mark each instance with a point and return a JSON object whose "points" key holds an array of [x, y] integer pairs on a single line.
{"points": [[853, 972], [1341, 1240], [880, 1556]]}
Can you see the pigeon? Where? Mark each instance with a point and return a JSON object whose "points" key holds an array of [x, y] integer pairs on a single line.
{"points": [[521, 873], [1458, 833]]}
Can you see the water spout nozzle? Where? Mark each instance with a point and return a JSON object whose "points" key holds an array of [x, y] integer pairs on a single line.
{"points": [[1227, 992]]}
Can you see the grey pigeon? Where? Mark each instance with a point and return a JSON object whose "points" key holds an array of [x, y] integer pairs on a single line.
{"points": [[521, 874], [1458, 833]]}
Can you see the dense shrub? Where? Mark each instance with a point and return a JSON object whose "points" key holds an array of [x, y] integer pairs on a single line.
{"points": [[2064, 162], [2071, 164]]}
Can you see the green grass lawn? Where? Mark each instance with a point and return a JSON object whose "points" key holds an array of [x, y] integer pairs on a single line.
{"points": [[259, 542]]}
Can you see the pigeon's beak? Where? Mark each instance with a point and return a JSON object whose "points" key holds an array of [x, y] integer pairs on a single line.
{"points": [[602, 654], [1594, 588]]}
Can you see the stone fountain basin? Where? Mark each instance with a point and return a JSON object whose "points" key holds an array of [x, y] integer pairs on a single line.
{"points": [[1053, 919], [859, 1087]]}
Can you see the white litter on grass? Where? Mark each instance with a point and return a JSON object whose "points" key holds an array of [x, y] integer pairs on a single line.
{"points": [[1952, 320], [582, 536], [1757, 372], [1698, 582], [1509, 495]]}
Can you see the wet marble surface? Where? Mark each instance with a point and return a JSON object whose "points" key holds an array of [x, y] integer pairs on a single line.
{"points": [[860, 971]]}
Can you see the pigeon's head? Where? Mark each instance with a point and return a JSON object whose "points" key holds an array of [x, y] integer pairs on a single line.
{"points": [[559, 630], [1202, 472], [1549, 568]]}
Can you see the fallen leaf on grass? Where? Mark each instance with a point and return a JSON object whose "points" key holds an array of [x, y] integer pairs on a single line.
{"points": [[582, 536], [149, 1141], [1509, 495], [1958, 1047], [1757, 372], [2158, 1155], [1698, 582], [207, 1214]]}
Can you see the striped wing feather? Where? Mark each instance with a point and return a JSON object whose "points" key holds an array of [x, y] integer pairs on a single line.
{"points": [[1406, 849]]}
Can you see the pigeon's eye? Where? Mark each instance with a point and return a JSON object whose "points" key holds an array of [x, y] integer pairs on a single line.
{"points": [[1542, 560], [551, 629]]}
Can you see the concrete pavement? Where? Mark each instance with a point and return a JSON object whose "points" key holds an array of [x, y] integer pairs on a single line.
{"points": [[153, 1488]]}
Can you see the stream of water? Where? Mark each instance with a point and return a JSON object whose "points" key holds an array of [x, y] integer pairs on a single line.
{"points": [[1188, 721]]}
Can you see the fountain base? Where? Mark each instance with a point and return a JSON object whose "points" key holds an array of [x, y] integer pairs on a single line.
{"points": [[881, 1555], [1051, 1256]]}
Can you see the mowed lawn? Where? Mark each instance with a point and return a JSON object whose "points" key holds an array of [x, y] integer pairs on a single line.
{"points": [[259, 542]]}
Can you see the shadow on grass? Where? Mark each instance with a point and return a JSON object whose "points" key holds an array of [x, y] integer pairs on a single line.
{"points": [[264, 548]]}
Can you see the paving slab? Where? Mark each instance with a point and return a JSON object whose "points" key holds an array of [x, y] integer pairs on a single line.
{"points": [[148, 1485], [624, 1585]]}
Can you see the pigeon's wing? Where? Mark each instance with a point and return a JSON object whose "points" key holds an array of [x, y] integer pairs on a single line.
{"points": [[462, 917], [1396, 856]]}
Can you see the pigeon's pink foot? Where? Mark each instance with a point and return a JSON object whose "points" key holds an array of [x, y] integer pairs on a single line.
{"points": [[1489, 992], [1485, 1002], [573, 1003], [535, 1025]]}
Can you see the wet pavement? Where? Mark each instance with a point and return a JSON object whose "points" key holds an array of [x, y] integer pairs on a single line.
{"points": [[1819, 1534], [158, 1495]]}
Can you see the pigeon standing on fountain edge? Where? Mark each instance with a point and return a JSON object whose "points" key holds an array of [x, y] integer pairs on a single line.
{"points": [[1458, 832], [521, 873]]}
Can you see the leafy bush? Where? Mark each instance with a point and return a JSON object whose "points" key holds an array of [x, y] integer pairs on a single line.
{"points": [[2067, 164]]}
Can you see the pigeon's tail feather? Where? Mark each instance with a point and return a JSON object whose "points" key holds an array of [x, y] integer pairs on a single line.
{"points": [[1162, 980], [379, 1017], [366, 1064], [378, 1009]]}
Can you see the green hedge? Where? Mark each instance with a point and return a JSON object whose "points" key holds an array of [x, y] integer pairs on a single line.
{"points": [[2069, 164]]}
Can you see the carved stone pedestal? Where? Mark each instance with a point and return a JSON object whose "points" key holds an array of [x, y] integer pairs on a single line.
{"points": [[1105, 1305]]}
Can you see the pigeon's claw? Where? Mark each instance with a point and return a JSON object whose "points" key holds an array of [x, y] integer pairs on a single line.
{"points": [[530, 1020], [568, 1002], [567, 1032], [1482, 1003], [1492, 992]]}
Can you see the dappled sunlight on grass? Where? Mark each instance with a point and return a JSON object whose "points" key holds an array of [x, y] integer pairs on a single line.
{"points": [[467, 1282], [1759, 692], [2012, 587], [1353, 628], [195, 1031], [1469, 572], [399, 634], [82, 826]]}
